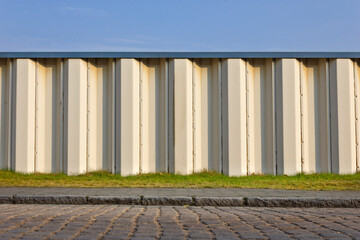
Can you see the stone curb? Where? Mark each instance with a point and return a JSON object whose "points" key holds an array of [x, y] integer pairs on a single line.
{"points": [[114, 200], [191, 201], [6, 199], [49, 199], [220, 201], [304, 202], [170, 201]]}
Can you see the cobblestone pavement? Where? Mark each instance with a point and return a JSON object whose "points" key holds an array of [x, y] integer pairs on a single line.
{"points": [[168, 222]]}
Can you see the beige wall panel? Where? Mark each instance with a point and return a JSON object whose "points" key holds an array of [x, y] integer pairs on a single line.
{"points": [[147, 163], [314, 116], [42, 158], [183, 149], [25, 116], [179, 115], [342, 116], [48, 108], [130, 128], [206, 114], [153, 116], [76, 115], [234, 117], [260, 116], [288, 117], [99, 104], [200, 161]]}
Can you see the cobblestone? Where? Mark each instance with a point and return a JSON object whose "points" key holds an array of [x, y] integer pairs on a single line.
{"points": [[175, 222]]}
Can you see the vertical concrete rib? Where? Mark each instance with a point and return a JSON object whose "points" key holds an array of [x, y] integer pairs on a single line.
{"points": [[9, 117], [99, 115], [183, 148], [206, 117], [162, 102], [214, 114], [25, 116], [219, 112], [200, 118], [153, 116], [342, 116], [357, 111], [75, 116], [314, 116], [117, 160], [60, 129], [273, 110], [288, 117], [268, 109], [113, 114], [129, 78], [48, 108], [260, 110], [5, 113], [328, 91], [171, 115], [322, 124], [147, 141], [143, 123], [234, 117]]}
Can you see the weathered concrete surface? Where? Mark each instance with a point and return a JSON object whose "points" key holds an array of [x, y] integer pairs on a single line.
{"points": [[232, 115]]}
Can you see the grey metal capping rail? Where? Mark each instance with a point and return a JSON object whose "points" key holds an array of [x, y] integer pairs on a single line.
{"points": [[179, 54]]}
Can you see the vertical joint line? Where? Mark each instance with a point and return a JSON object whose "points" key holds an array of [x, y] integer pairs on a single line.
{"points": [[327, 72], [36, 113], [10, 106], [87, 114], [356, 116], [193, 114], [220, 117], [247, 115], [62, 160], [166, 115], [301, 114], [113, 117], [140, 114], [273, 75]]}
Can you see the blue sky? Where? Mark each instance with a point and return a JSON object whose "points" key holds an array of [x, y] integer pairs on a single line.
{"points": [[182, 25]]}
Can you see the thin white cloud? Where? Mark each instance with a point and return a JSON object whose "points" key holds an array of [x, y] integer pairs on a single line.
{"points": [[124, 40], [83, 11]]}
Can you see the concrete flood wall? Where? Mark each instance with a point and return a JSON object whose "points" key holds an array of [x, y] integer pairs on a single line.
{"points": [[237, 116]]}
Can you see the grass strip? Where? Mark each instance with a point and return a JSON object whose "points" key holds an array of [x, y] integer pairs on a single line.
{"points": [[196, 180]]}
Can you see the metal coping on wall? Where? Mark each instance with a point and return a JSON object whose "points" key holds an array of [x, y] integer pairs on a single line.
{"points": [[179, 54]]}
